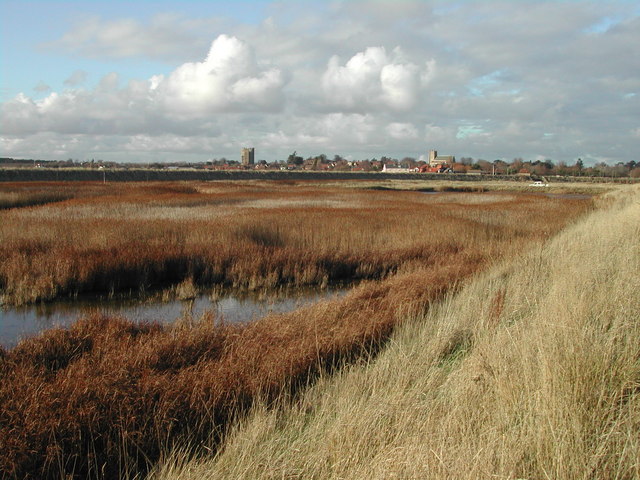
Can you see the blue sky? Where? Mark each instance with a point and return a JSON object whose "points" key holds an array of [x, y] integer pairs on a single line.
{"points": [[196, 80], [29, 27]]}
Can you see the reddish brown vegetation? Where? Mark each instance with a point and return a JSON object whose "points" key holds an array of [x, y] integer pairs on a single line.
{"points": [[107, 396], [132, 237]]}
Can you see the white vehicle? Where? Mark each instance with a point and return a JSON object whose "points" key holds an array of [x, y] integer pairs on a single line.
{"points": [[538, 183]]}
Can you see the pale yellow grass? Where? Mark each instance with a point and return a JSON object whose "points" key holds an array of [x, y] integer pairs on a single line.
{"points": [[531, 371]]}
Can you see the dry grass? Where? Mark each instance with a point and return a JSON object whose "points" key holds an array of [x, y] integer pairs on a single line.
{"points": [[107, 398], [530, 371]]}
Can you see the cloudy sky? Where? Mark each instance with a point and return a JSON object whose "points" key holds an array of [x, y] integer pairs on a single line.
{"points": [[194, 80]]}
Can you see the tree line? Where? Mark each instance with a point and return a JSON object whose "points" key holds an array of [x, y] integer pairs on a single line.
{"points": [[339, 163]]}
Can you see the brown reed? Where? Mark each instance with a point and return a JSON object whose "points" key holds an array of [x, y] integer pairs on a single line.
{"points": [[249, 236]]}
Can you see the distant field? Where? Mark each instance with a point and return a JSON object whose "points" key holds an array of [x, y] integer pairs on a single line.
{"points": [[111, 396]]}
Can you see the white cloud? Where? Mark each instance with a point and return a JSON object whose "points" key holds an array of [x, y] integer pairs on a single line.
{"points": [[228, 79], [402, 131], [372, 78], [399, 85]]}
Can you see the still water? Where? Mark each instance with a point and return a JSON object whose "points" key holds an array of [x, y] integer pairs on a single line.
{"points": [[21, 322]]}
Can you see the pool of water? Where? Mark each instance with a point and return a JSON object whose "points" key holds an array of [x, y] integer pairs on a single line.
{"points": [[21, 322]]}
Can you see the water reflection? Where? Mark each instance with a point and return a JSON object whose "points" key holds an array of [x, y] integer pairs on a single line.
{"points": [[20, 322]]}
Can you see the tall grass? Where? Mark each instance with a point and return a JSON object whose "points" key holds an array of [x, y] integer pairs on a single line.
{"points": [[530, 371], [108, 398]]}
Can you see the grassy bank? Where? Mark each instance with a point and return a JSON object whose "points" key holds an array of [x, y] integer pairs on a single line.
{"points": [[109, 398], [531, 371]]}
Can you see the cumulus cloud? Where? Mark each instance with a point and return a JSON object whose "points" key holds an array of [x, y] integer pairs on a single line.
{"points": [[372, 78], [228, 79]]}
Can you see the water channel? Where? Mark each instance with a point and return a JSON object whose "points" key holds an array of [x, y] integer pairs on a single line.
{"points": [[21, 322]]}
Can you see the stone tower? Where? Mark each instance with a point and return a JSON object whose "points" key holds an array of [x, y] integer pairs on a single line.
{"points": [[248, 155]]}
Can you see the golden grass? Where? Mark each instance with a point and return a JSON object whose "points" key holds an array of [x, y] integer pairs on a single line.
{"points": [[530, 371], [107, 398]]}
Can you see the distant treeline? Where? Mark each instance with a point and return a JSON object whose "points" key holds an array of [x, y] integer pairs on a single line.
{"points": [[321, 163], [142, 175]]}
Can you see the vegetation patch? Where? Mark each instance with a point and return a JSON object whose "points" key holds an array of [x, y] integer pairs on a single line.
{"points": [[530, 370], [109, 398]]}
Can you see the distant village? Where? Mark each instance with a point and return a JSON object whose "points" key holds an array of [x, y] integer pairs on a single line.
{"points": [[432, 163]]}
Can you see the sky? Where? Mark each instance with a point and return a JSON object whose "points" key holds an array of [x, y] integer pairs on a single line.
{"points": [[196, 80]]}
